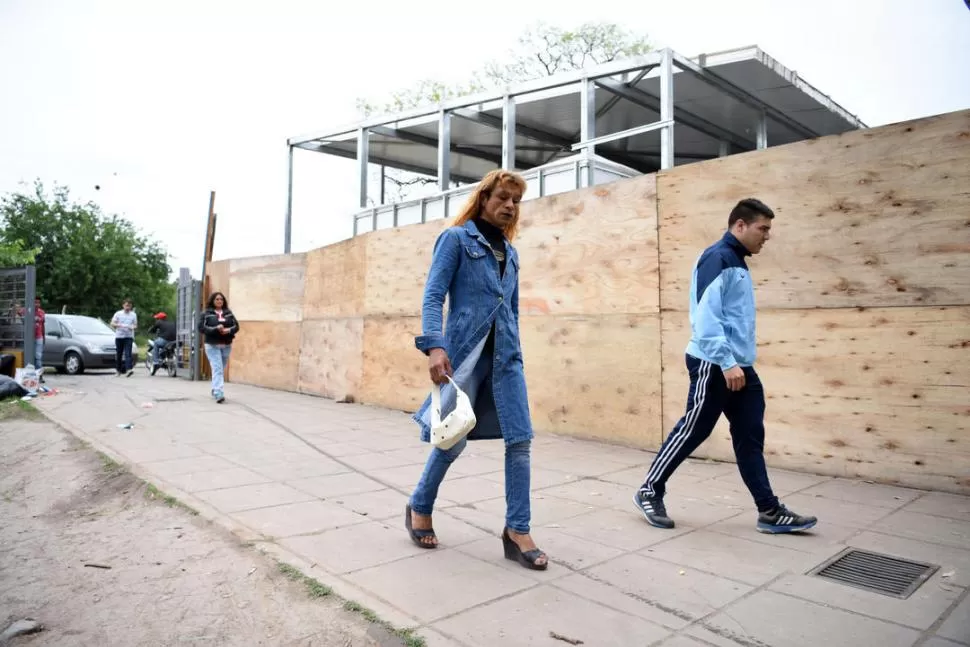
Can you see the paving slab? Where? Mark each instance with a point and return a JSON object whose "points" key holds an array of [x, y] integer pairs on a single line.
{"points": [[957, 626], [925, 527], [936, 641], [942, 505], [301, 518], [216, 479], [440, 583], [919, 611], [734, 558], [352, 548], [530, 618], [886, 496], [770, 618], [668, 594], [249, 497], [323, 486]]}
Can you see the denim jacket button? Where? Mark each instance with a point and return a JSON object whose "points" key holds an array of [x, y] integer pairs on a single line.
{"points": [[501, 299]]}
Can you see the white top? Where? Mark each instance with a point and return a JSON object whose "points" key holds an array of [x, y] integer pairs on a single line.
{"points": [[126, 323]]}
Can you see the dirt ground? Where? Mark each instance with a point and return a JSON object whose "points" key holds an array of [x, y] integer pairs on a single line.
{"points": [[173, 578]]}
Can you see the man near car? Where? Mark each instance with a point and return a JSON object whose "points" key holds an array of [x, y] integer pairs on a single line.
{"points": [[164, 331], [125, 322]]}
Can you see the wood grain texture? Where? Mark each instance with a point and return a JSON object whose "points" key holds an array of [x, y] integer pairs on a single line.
{"points": [[591, 252], [266, 353], [594, 377], [268, 288], [218, 273], [872, 393], [397, 268], [877, 217], [334, 280], [331, 359], [395, 372]]}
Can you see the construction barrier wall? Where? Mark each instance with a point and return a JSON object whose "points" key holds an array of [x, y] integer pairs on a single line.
{"points": [[863, 298]]}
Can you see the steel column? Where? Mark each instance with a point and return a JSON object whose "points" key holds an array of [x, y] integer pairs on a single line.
{"points": [[30, 291], [363, 150], [288, 226], [508, 133], [444, 150], [667, 109], [724, 149], [587, 131], [762, 132]]}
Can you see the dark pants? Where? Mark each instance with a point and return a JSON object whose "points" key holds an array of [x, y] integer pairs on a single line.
{"points": [[123, 361], [707, 398]]}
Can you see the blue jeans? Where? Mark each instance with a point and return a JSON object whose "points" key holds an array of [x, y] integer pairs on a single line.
{"points": [[39, 353], [218, 360], [518, 514], [157, 346]]}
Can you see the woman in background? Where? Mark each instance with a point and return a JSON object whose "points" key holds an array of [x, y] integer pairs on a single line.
{"points": [[219, 327]]}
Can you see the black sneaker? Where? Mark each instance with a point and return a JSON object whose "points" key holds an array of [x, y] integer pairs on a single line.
{"points": [[653, 510], [781, 520]]}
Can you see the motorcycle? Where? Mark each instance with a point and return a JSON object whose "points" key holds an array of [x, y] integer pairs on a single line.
{"points": [[166, 359]]}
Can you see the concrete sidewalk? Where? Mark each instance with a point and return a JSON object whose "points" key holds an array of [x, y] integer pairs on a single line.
{"points": [[323, 486]]}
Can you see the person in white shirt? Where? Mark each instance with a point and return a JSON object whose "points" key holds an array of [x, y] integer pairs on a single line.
{"points": [[125, 322]]}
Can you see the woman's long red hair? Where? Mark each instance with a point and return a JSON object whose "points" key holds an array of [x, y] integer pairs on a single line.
{"points": [[473, 206]]}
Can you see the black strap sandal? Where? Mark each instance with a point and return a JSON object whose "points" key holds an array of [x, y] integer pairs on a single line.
{"points": [[528, 558], [418, 534]]}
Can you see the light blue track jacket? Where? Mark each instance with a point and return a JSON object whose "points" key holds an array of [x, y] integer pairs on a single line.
{"points": [[722, 309]]}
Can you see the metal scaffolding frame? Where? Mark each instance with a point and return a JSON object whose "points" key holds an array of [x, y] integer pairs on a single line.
{"points": [[621, 81]]}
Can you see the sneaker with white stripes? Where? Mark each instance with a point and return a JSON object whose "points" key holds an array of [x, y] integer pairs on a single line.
{"points": [[781, 519], [653, 510]]}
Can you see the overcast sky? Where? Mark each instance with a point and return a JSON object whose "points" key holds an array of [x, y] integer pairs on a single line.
{"points": [[161, 103]]}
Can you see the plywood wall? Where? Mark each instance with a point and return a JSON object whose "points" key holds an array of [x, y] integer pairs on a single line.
{"points": [[878, 217], [863, 296]]}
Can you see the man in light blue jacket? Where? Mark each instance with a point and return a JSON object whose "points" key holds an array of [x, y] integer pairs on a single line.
{"points": [[720, 360]]}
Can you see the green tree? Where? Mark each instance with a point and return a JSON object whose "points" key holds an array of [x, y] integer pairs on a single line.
{"points": [[13, 254], [541, 50], [87, 262]]}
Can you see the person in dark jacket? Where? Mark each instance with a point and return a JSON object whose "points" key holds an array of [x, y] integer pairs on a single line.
{"points": [[164, 331], [219, 327]]}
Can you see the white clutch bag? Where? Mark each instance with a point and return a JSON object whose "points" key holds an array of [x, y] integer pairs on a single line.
{"points": [[457, 424]]}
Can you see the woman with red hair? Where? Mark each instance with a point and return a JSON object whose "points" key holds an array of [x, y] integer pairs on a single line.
{"points": [[475, 265]]}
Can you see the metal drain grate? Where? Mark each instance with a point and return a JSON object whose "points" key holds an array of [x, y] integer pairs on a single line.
{"points": [[875, 572]]}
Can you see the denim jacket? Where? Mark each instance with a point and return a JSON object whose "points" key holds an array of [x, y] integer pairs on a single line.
{"points": [[464, 269]]}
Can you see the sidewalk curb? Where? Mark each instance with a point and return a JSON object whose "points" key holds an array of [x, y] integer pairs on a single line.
{"points": [[340, 587]]}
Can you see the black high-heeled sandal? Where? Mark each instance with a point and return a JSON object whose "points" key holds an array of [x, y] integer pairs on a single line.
{"points": [[527, 558], [417, 534]]}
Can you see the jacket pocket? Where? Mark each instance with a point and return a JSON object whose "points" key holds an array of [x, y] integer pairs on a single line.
{"points": [[474, 251]]}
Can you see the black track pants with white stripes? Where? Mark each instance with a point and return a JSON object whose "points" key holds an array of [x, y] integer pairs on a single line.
{"points": [[707, 398]]}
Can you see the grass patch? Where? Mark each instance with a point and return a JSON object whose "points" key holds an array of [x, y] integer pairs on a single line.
{"points": [[410, 638], [318, 590], [314, 588], [17, 409], [110, 465], [154, 493]]}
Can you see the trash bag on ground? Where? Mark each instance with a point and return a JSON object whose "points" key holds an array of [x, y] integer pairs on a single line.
{"points": [[10, 389]]}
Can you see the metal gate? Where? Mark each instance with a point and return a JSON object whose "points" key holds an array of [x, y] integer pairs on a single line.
{"points": [[189, 301], [17, 291]]}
